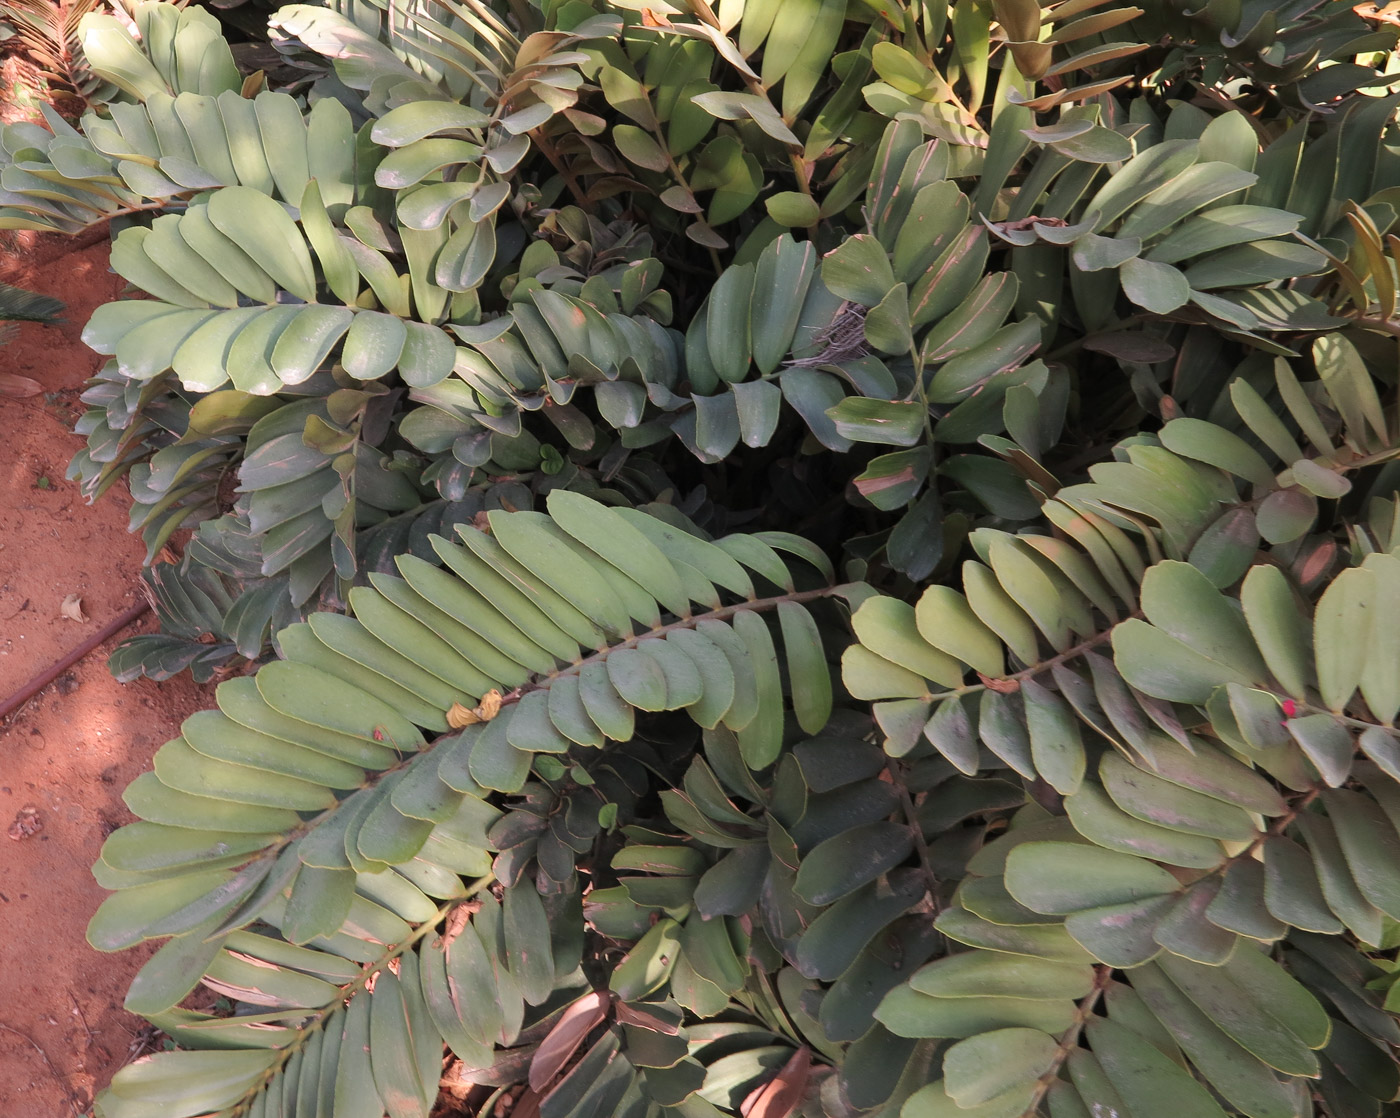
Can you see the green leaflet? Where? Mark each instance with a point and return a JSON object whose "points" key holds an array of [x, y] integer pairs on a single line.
{"points": [[1064, 878]]}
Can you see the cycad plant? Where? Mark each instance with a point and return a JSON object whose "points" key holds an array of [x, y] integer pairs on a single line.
{"points": [[826, 557], [47, 32]]}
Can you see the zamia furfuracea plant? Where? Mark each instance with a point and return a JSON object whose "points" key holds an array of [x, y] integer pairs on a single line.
{"points": [[816, 558]]}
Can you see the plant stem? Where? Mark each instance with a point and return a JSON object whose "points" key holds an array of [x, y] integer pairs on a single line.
{"points": [[911, 816], [1377, 322], [570, 179], [1036, 669], [724, 613], [1276, 828], [674, 168], [318, 1019], [1069, 1039]]}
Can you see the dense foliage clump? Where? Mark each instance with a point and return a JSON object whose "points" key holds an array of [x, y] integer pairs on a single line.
{"points": [[824, 557]]}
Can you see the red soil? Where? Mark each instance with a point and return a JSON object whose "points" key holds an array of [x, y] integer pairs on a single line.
{"points": [[70, 752]]}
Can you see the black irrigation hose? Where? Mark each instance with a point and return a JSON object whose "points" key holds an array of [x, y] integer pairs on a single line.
{"points": [[54, 670]]}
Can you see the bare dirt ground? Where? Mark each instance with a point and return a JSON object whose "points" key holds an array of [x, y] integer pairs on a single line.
{"points": [[67, 755]]}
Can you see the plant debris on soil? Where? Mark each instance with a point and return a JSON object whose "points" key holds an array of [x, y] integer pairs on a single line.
{"points": [[27, 823]]}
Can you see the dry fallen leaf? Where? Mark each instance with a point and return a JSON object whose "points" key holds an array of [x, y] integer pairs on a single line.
{"points": [[490, 705], [459, 716], [457, 921], [12, 384], [72, 608]]}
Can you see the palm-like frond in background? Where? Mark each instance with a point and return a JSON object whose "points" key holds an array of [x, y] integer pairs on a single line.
{"points": [[48, 32]]}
